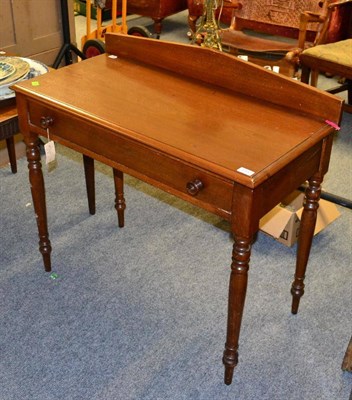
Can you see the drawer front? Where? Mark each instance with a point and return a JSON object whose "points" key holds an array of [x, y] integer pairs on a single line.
{"points": [[173, 175]]}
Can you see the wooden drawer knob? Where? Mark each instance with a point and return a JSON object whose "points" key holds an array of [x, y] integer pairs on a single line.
{"points": [[45, 122], [194, 187]]}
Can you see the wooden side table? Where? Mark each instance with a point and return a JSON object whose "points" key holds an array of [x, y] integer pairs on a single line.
{"points": [[237, 165], [9, 128]]}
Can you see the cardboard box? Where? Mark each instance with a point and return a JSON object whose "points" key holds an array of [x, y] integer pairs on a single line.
{"points": [[283, 221]]}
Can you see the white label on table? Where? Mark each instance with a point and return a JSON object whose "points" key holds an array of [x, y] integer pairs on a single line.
{"points": [[49, 152], [245, 171]]}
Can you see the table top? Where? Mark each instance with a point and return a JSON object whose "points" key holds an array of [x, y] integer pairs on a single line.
{"points": [[211, 126]]}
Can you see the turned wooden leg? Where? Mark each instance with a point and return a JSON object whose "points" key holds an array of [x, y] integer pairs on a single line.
{"points": [[88, 163], [158, 26], [305, 74], [38, 196], [192, 22], [309, 216], [10, 143], [237, 294], [120, 204], [314, 75]]}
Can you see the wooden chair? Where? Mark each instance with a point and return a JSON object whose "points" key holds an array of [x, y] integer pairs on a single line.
{"points": [[333, 58], [308, 28], [237, 41], [343, 10]]}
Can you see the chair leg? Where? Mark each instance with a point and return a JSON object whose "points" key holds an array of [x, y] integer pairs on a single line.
{"points": [[305, 74], [120, 203], [10, 143], [314, 74], [88, 163]]}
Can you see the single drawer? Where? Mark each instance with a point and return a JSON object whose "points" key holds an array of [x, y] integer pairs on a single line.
{"points": [[145, 162]]}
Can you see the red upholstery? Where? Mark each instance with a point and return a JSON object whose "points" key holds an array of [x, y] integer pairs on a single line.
{"points": [[340, 25], [269, 17]]}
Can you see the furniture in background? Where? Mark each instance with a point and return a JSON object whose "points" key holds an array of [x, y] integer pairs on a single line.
{"points": [[9, 128], [336, 26], [157, 10], [331, 33], [279, 18], [234, 165], [317, 23], [341, 22], [16, 69], [333, 58], [310, 21], [336, 59], [263, 51]]}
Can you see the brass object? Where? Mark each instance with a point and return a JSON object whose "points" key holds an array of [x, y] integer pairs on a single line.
{"points": [[207, 33]]}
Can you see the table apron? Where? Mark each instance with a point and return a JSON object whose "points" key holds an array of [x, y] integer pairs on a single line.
{"points": [[140, 160]]}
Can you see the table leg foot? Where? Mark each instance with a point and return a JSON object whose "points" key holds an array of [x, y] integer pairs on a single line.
{"points": [[120, 204], [46, 260], [295, 305], [230, 360], [38, 195], [309, 216]]}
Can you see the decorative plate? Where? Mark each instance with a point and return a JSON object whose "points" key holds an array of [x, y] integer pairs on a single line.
{"points": [[6, 70], [21, 69], [35, 68]]}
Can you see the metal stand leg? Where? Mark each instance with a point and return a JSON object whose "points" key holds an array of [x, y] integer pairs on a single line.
{"points": [[67, 48]]}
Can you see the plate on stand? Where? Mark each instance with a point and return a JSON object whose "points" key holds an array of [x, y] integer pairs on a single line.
{"points": [[21, 68], [27, 69], [6, 70]]}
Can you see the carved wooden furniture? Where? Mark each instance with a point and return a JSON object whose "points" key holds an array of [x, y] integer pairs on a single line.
{"points": [[236, 164], [280, 18], [157, 10], [264, 51], [310, 26], [9, 128]]}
